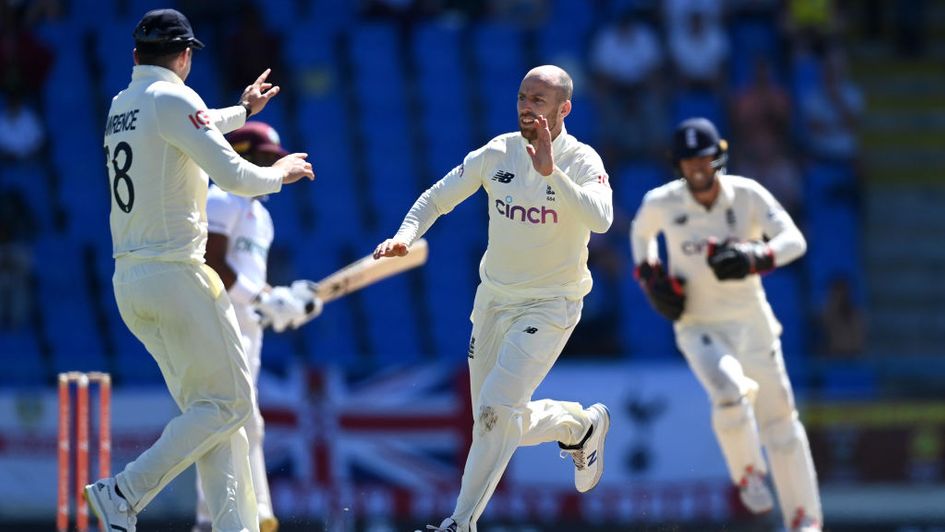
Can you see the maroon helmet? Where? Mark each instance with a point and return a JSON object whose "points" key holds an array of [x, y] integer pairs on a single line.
{"points": [[256, 138]]}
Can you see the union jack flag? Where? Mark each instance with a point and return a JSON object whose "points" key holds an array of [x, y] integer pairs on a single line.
{"points": [[401, 430]]}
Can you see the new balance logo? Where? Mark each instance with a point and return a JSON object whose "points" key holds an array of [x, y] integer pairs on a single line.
{"points": [[592, 458], [531, 330], [503, 176]]}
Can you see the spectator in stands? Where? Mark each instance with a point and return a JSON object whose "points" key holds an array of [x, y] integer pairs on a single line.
{"points": [[699, 50], [677, 12], [24, 59], [626, 58], [761, 113], [249, 48], [778, 172], [527, 14], [812, 23], [22, 133], [842, 322], [831, 111]]}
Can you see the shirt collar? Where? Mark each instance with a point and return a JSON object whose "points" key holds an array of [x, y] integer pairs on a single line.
{"points": [[557, 145], [725, 198], [157, 72]]}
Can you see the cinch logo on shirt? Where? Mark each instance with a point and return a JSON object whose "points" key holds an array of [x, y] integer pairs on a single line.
{"points": [[532, 215], [694, 247], [246, 245]]}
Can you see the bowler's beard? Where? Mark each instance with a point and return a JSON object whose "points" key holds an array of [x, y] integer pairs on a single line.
{"points": [[531, 133]]}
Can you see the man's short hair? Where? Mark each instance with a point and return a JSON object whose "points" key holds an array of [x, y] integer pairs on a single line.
{"points": [[565, 85]]}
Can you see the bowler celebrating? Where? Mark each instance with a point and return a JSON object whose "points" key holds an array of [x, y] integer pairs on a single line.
{"points": [[547, 192]]}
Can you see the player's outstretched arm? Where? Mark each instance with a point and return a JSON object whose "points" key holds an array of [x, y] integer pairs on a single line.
{"points": [[392, 247], [257, 95]]}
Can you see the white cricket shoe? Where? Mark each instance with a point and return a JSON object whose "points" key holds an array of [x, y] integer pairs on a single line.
{"points": [[448, 525], [588, 455], [754, 492], [113, 511]]}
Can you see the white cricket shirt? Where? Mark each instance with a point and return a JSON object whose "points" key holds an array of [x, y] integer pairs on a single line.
{"points": [[248, 227], [538, 226], [744, 210], [160, 143]]}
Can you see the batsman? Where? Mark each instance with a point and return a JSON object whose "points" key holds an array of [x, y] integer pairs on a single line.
{"points": [[240, 232], [722, 231]]}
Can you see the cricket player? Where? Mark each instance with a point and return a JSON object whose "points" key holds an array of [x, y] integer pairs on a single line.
{"points": [[546, 193], [160, 143], [240, 234], [721, 232]]}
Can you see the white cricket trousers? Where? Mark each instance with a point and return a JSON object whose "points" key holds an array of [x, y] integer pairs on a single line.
{"points": [[181, 313], [728, 358], [252, 335], [514, 344]]}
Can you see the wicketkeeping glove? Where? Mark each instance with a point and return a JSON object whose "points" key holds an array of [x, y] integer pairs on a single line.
{"points": [[665, 293], [279, 308], [735, 260]]}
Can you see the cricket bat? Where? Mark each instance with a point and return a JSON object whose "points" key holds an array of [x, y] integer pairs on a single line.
{"points": [[367, 271]]}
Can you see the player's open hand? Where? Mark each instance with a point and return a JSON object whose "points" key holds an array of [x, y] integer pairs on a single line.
{"points": [[540, 148], [295, 167], [259, 93], [391, 248]]}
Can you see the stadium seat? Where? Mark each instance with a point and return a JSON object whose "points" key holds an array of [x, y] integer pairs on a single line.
{"points": [[690, 103], [29, 369], [332, 339], [499, 58], [785, 295]]}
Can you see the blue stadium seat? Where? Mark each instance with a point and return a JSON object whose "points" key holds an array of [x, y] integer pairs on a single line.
{"points": [[444, 98], [690, 103], [30, 180], [331, 338], [785, 295], [634, 180], [499, 56], [67, 310], [114, 51], [751, 38], [450, 279], [25, 366], [846, 381], [392, 326]]}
